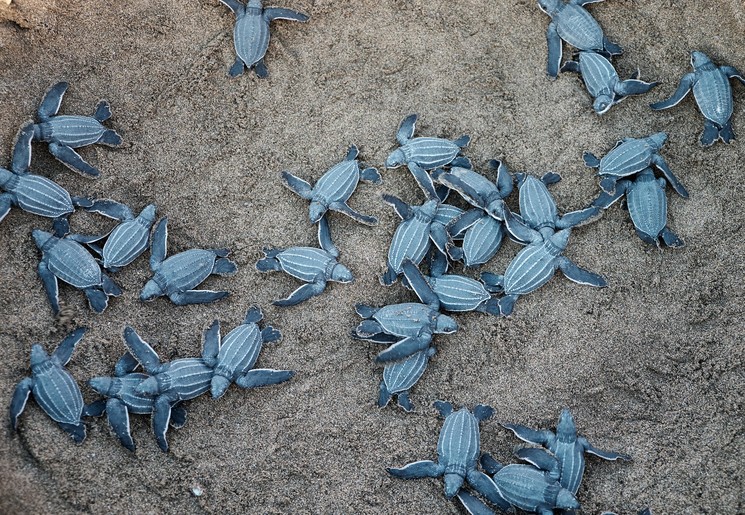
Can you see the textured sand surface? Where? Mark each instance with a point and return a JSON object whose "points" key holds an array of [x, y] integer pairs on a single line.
{"points": [[651, 366]]}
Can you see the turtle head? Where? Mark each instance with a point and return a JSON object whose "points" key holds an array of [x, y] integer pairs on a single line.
{"points": [[38, 355], [548, 6], [5, 176], [150, 291], [496, 209], [41, 237], [658, 139], [341, 274], [453, 483], [149, 387], [566, 430], [699, 59], [148, 214], [566, 500], [602, 104], [219, 385], [561, 238], [445, 325], [103, 385], [317, 210], [254, 3], [396, 159]]}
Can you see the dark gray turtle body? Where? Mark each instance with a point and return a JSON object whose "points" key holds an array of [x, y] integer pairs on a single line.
{"points": [[456, 293], [251, 33], [409, 327], [565, 446], [54, 389], [123, 399], [535, 265], [412, 237], [647, 205], [238, 353], [713, 94], [65, 259], [572, 23], [334, 188], [630, 156], [603, 83], [65, 133], [312, 265], [426, 152], [458, 449], [176, 276], [170, 383], [400, 376], [32, 193], [128, 240], [477, 190]]}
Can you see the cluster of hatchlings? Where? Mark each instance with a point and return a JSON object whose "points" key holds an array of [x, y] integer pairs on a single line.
{"points": [[436, 232]]}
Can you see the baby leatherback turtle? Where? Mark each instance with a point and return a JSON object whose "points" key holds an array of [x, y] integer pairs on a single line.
{"points": [[713, 94], [54, 389], [65, 132], [477, 190], [400, 376], [458, 450], [123, 399], [170, 383], [130, 238], [238, 353], [33, 193], [251, 33], [427, 153], [647, 205], [603, 83], [568, 448], [176, 276], [409, 326], [572, 23], [312, 265], [64, 258], [630, 156], [334, 188]]}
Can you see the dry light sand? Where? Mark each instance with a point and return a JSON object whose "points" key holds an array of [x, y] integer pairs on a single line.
{"points": [[651, 366]]}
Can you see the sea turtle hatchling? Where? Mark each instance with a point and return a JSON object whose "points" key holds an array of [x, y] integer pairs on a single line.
{"points": [[647, 205], [54, 389], [309, 264], [458, 449], [571, 22], [568, 448], [409, 327], [128, 240], [170, 383], [238, 353], [603, 83], [251, 33], [713, 94], [176, 276], [33, 193], [477, 190], [334, 188], [64, 258], [400, 376], [630, 156], [426, 152], [65, 133], [122, 398]]}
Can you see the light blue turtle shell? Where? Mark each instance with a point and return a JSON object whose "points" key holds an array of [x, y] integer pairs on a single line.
{"points": [[574, 24], [400, 376], [406, 319], [534, 265], [128, 240]]}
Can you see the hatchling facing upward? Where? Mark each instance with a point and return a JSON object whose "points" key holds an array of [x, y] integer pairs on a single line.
{"points": [[65, 133], [251, 33], [128, 240]]}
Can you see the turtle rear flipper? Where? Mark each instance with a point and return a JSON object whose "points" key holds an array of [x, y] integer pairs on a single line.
{"points": [[237, 68], [76, 431], [268, 264], [224, 267], [260, 69], [371, 175], [726, 133], [97, 299], [270, 334], [590, 159], [507, 304], [463, 141], [111, 138], [671, 239], [110, 287], [384, 397], [103, 111], [72, 159], [402, 399], [263, 377], [365, 311], [611, 48], [197, 297]]}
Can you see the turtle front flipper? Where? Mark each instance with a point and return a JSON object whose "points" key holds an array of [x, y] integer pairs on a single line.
{"points": [[554, 50], [21, 158], [68, 157], [633, 87], [540, 459], [424, 180], [234, 5], [125, 365], [52, 100], [406, 129], [303, 293], [160, 420], [405, 347], [118, 417], [263, 377], [472, 504], [580, 275], [580, 217], [51, 287], [141, 350], [486, 487], [158, 243], [529, 435], [402, 209], [686, 83], [732, 73], [19, 400], [324, 237], [660, 163], [343, 208], [418, 469], [184, 298], [298, 185], [112, 209], [280, 13], [64, 350], [419, 284], [211, 343], [606, 455]]}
